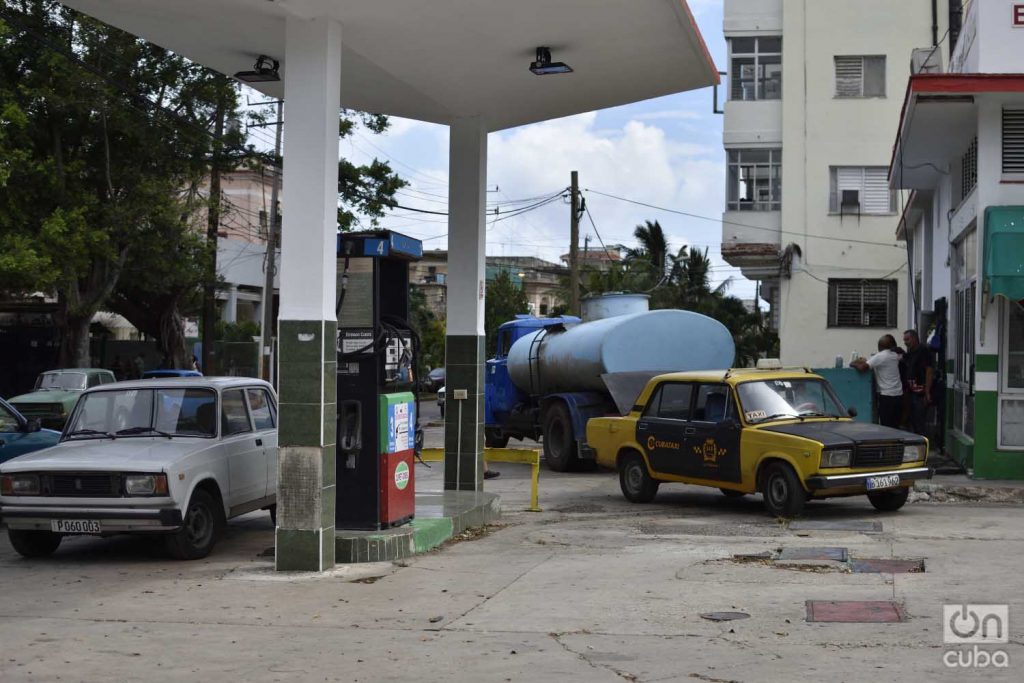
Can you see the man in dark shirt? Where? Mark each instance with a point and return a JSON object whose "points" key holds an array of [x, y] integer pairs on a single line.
{"points": [[920, 374]]}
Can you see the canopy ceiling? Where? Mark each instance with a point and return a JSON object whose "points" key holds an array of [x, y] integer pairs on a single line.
{"points": [[445, 59]]}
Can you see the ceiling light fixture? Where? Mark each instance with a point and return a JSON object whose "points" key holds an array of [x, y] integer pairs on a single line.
{"points": [[264, 71], [543, 65]]}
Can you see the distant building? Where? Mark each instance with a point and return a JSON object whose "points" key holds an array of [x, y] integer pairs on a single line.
{"points": [[242, 242], [813, 97], [539, 278], [598, 257], [959, 147]]}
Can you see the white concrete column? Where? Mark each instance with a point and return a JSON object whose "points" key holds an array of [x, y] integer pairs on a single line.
{"points": [[231, 306], [307, 325], [465, 356]]}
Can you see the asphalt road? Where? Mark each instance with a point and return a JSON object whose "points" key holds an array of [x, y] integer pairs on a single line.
{"points": [[593, 589]]}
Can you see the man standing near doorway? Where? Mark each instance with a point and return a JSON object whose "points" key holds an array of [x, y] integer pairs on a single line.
{"points": [[920, 375], [886, 366]]}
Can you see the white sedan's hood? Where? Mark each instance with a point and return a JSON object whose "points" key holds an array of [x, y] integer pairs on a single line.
{"points": [[139, 454]]}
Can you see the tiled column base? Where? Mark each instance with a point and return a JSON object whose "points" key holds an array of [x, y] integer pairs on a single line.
{"points": [[306, 467], [464, 419]]}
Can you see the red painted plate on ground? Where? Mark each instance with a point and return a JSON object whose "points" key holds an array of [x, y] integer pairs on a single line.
{"points": [[855, 611]]}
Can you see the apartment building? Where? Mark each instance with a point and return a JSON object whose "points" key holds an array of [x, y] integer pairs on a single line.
{"points": [[540, 280], [959, 148], [814, 96]]}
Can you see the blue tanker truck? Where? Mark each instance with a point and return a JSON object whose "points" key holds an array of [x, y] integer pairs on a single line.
{"points": [[550, 375]]}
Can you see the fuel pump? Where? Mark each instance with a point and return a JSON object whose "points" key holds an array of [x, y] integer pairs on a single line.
{"points": [[378, 350]]}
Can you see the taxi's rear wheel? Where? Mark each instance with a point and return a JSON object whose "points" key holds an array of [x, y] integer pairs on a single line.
{"points": [[33, 543], [889, 501], [635, 481], [783, 494]]}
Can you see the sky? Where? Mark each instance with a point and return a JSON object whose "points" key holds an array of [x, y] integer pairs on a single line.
{"points": [[666, 151]]}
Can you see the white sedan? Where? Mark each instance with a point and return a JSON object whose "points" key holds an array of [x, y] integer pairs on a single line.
{"points": [[176, 457]]}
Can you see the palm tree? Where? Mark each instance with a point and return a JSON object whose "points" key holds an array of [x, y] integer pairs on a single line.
{"points": [[651, 254]]}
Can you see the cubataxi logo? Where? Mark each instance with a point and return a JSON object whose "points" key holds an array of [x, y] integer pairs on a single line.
{"points": [[653, 443]]}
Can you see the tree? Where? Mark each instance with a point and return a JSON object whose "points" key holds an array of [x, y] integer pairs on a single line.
{"points": [[104, 144], [651, 256], [430, 329], [505, 299], [109, 128]]}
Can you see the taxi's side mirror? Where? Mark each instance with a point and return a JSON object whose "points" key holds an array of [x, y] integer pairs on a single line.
{"points": [[731, 423], [851, 411]]}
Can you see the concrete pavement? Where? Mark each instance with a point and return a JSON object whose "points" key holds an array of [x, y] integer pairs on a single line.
{"points": [[592, 589]]}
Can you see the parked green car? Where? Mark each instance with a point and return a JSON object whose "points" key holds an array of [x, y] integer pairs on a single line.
{"points": [[56, 392]]}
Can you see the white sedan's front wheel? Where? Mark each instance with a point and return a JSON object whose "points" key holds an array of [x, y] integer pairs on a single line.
{"points": [[200, 527]]}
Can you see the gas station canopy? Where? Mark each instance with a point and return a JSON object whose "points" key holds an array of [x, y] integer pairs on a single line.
{"points": [[442, 60]]}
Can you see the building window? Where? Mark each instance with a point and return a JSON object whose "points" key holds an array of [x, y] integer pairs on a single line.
{"points": [[755, 180], [1011, 404], [965, 294], [756, 68], [862, 303], [860, 189], [860, 76], [1013, 141], [969, 169]]}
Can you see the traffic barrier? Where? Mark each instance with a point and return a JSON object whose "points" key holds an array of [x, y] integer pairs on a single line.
{"points": [[523, 456]]}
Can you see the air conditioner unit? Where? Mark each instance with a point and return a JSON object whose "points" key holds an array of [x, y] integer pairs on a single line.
{"points": [[926, 60]]}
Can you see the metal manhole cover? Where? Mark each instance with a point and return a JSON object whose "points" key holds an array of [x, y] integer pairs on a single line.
{"points": [[724, 616], [855, 611], [840, 525], [822, 553], [881, 566]]}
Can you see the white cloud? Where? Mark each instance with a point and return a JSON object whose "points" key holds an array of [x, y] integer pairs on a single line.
{"points": [[637, 160], [670, 114]]}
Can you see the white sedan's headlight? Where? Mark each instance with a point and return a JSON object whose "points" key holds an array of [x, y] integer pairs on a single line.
{"points": [[913, 452], [20, 485], [145, 484], [837, 457]]}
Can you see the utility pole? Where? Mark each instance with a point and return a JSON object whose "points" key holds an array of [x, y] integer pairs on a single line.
{"points": [[212, 226], [267, 329], [574, 246]]}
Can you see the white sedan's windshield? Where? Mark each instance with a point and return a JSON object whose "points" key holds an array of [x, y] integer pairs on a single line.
{"points": [[145, 412], [780, 398], [62, 380]]}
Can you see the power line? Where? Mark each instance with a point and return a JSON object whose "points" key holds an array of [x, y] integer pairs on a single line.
{"points": [[744, 225]]}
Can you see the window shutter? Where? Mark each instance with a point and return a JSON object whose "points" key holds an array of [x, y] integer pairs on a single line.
{"points": [[1013, 141], [849, 76], [875, 197], [862, 303]]}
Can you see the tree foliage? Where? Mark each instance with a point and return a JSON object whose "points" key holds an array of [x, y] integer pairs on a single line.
{"points": [[105, 142], [505, 299], [683, 280]]}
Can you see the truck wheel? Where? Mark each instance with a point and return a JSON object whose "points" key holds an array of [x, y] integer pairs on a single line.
{"points": [[493, 438], [783, 494], [635, 481], [33, 543], [202, 523], [889, 501], [559, 440]]}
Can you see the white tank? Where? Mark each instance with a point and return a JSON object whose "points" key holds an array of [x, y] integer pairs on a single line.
{"points": [[612, 304], [574, 358]]}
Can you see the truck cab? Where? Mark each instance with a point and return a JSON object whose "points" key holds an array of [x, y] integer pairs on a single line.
{"points": [[510, 411]]}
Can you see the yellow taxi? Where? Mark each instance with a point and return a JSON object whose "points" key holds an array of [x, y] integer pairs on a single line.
{"points": [[783, 433]]}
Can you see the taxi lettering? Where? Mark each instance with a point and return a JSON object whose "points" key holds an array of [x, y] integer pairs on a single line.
{"points": [[653, 443]]}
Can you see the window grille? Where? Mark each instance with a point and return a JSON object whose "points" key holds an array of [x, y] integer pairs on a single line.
{"points": [[1013, 141], [862, 303]]}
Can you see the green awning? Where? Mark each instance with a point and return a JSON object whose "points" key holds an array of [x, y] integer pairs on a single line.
{"points": [[1004, 251]]}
